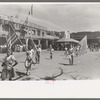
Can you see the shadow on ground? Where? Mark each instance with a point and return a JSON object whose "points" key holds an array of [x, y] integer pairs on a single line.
{"points": [[66, 64], [20, 75], [47, 58], [78, 77], [27, 79], [53, 76], [21, 61]]}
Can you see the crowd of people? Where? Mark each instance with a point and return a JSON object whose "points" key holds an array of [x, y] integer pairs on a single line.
{"points": [[9, 62], [32, 52], [94, 47], [70, 52]]}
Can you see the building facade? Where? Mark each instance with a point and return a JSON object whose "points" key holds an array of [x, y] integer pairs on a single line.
{"points": [[27, 30]]}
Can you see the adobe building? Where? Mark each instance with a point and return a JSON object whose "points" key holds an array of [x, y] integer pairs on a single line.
{"points": [[37, 32]]}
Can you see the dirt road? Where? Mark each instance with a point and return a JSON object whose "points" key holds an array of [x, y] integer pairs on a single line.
{"points": [[86, 67]]}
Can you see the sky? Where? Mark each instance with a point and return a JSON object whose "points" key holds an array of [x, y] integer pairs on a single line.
{"points": [[72, 17]]}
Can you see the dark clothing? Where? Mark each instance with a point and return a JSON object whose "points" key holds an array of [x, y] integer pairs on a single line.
{"points": [[7, 73], [71, 58], [50, 55], [37, 57], [8, 70]]}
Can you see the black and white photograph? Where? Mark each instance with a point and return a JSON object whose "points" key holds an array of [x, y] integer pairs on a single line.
{"points": [[49, 41]]}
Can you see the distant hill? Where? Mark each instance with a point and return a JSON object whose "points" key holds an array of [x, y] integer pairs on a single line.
{"points": [[80, 35], [90, 35]]}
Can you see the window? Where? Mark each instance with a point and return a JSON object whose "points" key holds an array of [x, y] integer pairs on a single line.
{"points": [[5, 26], [33, 32], [48, 33], [38, 32], [42, 33]]}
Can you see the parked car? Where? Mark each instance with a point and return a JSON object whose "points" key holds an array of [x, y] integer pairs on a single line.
{"points": [[3, 48]]}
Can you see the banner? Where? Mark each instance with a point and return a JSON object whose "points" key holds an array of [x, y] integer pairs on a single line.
{"points": [[83, 44], [30, 43], [12, 37]]}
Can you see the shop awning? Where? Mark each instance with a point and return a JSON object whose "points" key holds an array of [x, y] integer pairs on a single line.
{"points": [[68, 40], [35, 37], [51, 37]]}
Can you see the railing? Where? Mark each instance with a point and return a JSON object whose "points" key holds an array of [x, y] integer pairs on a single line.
{"points": [[17, 21]]}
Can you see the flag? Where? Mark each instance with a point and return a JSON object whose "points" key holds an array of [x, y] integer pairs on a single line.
{"points": [[26, 21], [83, 44], [31, 12], [30, 42], [12, 37], [27, 42]]}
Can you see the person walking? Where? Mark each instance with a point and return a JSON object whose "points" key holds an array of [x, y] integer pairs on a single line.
{"points": [[29, 60]]}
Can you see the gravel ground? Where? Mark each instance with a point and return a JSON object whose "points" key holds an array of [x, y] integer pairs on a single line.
{"points": [[86, 67]]}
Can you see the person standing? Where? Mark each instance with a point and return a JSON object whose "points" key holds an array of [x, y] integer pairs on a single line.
{"points": [[72, 55], [38, 51], [8, 66], [51, 52], [66, 51]]}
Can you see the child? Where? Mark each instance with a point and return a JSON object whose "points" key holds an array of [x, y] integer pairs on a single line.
{"points": [[51, 52], [71, 56], [8, 66]]}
